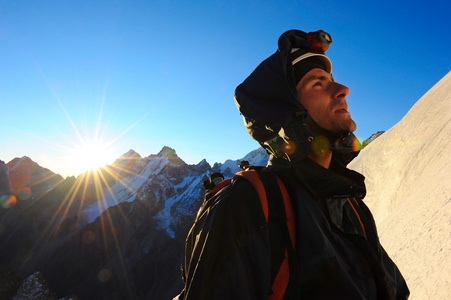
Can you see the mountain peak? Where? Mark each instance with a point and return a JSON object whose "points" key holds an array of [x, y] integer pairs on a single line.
{"points": [[19, 161], [127, 157], [130, 154], [203, 162], [167, 152]]}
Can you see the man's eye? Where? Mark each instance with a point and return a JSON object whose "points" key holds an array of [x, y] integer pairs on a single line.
{"points": [[318, 83]]}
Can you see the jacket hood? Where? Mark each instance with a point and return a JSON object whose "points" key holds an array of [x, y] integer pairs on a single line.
{"points": [[273, 114]]}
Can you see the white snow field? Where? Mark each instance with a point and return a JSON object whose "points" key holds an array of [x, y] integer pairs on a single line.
{"points": [[407, 172]]}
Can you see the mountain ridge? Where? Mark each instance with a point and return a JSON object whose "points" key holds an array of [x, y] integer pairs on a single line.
{"points": [[130, 218]]}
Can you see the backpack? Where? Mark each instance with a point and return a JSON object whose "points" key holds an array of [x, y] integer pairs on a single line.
{"points": [[279, 215]]}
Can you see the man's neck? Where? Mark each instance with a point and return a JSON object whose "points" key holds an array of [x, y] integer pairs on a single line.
{"points": [[322, 160]]}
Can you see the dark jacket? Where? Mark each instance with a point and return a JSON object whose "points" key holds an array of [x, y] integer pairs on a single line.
{"points": [[339, 255]]}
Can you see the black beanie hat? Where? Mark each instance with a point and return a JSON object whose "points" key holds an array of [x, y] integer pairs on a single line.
{"points": [[303, 60], [304, 66]]}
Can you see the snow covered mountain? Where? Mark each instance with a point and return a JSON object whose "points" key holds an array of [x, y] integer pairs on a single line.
{"points": [[165, 181], [407, 173], [117, 234]]}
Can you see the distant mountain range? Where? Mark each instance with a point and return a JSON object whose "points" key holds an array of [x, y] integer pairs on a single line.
{"points": [[115, 234]]}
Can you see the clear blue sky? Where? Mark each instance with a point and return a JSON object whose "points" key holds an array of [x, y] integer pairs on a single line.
{"points": [[144, 74]]}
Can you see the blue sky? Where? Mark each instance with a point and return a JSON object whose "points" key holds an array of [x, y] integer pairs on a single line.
{"points": [[144, 74]]}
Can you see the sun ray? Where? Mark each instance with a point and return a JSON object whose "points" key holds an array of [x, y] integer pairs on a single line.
{"points": [[46, 141], [69, 198], [61, 105], [129, 128], [47, 229], [99, 118], [110, 192], [46, 178], [98, 185]]}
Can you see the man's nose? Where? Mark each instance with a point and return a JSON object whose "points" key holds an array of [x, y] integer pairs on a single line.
{"points": [[341, 91]]}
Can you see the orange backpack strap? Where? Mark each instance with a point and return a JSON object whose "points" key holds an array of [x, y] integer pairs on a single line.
{"points": [[220, 186], [253, 177], [280, 283]]}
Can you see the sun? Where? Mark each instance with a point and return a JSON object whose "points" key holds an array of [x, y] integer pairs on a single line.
{"points": [[91, 155]]}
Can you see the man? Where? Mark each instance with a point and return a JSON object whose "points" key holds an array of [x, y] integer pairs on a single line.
{"points": [[293, 107]]}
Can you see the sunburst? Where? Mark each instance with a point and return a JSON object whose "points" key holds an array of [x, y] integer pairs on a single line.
{"points": [[90, 155], [89, 151]]}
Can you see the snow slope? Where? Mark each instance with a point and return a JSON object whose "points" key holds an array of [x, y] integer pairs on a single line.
{"points": [[139, 176], [407, 172], [124, 190]]}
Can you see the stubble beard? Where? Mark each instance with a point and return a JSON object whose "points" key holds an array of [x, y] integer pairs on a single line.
{"points": [[343, 126]]}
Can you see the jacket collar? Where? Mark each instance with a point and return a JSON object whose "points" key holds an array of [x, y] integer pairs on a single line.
{"points": [[335, 182]]}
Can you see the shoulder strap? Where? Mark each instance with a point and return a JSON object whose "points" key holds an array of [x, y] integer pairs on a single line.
{"points": [[220, 186], [280, 218]]}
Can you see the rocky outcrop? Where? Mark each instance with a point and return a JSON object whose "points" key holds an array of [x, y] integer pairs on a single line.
{"points": [[371, 138], [34, 287]]}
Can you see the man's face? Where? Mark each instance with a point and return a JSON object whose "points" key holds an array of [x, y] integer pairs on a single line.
{"points": [[325, 100]]}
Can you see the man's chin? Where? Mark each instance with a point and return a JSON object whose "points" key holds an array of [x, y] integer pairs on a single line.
{"points": [[352, 127], [349, 126], [346, 128]]}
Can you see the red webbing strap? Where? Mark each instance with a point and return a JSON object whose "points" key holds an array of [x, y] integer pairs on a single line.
{"points": [[280, 283], [254, 179], [288, 211], [220, 185], [358, 216]]}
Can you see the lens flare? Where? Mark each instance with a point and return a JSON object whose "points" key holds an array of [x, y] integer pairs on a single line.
{"points": [[8, 201], [356, 146], [288, 147], [104, 275], [320, 145]]}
